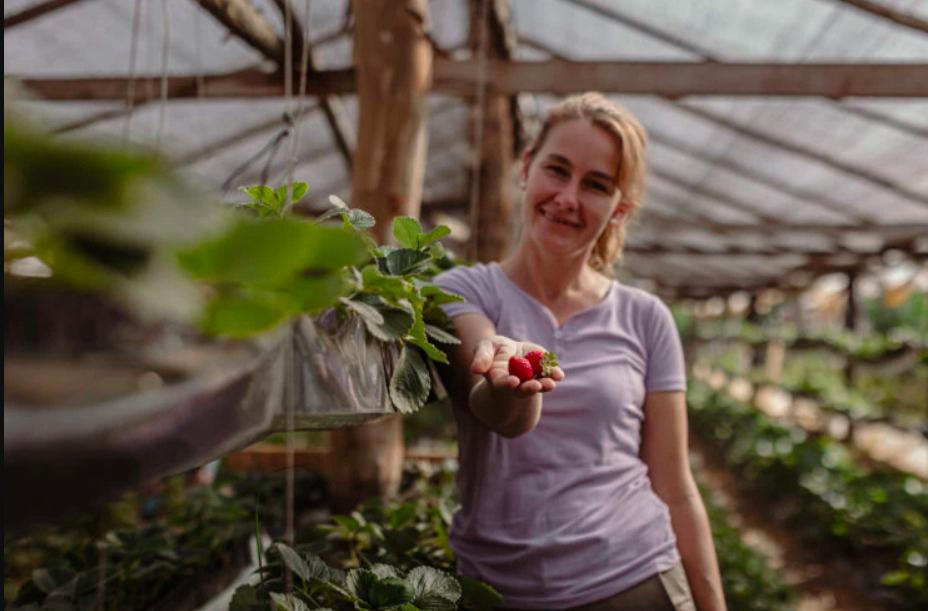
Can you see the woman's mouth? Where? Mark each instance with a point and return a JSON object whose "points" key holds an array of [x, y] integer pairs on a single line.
{"points": [[559, 220]]}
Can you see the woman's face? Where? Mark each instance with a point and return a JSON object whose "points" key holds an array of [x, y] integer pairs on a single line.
{"points": [[571, 188]]}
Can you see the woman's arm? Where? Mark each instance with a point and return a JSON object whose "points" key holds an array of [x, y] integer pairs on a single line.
{"points": [[664, 450], [479, 378]]}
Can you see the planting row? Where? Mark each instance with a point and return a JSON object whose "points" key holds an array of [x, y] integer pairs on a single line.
{"points": [[172, 548], [814, 486]]}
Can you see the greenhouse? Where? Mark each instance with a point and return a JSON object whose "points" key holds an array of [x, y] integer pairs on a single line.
{"points": [[466, 304]]}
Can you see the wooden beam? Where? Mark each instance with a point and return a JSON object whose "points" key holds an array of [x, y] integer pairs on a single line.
{"points": [[667, 79], [897, 17], [678, 79], [243, 20], [701, 53], [240, 84], [36, 10]]}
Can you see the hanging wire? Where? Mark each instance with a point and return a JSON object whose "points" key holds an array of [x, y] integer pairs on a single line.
{"points": [[165, 48], [301, 105], [477, 157], [133, 56]]}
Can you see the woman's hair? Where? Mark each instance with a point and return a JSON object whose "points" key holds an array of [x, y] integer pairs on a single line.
{"points": [[632, 141]]}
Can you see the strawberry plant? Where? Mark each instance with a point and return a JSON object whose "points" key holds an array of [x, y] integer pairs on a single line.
{"points": [[273, 266]]}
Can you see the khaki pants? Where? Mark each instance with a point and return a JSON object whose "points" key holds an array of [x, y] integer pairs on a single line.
{"points": [[667, 591]]}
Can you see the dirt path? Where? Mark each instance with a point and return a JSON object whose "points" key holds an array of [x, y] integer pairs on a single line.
{"points": [[823, 584]]}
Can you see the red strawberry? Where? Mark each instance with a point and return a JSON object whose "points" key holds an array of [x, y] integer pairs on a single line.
{"points": [[521, 368], [535, 357]]}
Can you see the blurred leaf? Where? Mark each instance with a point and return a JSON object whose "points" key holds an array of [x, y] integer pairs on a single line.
{"points": [[245, 314]]}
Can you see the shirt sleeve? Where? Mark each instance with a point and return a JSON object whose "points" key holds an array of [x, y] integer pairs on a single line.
{"points": [[472, 283], [666, 365]]}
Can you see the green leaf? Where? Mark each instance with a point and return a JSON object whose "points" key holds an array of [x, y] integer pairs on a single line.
{"points": [[391, 286], [417, 336], [478, 595], [306, 570], [262, 194], [434, 589], [331, 213], [440, 335], [402, 515], [434, 235], [359, 582], [407, 230], [270, 252], [437, 295], [288, 602], [390, 592], [47, 580], [368, 313], [361, 220], [245, 314], [397, 320], [410, 383], [404, 262], [299, 190], [245, 599], [383, 571], [313, 293]]}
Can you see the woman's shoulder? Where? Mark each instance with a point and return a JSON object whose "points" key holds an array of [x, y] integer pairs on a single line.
{"points": [[477, 274], [637, 298]]}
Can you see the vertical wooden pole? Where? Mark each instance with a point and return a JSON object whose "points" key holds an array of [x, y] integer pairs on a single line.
{"points": [[850, 322], [492, 231], [492, 139], [393, 58]]}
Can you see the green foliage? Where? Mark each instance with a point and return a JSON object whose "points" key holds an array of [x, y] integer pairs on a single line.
{"points": [[748, 581], [871, 514], [909, 318], [102, 219], [141, 559]]}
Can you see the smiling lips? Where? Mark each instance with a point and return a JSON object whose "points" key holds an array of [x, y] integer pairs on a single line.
{"points": [[559, 220]]}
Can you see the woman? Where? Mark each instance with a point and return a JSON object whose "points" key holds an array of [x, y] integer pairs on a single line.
{"points": [[575, 488]]}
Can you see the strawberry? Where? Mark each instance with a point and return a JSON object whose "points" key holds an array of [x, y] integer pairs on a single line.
{"points": [[542, 362], [534, 357], [521, 368]]}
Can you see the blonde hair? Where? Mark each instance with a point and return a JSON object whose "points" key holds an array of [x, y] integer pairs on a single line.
{"points": [[632, 140]]}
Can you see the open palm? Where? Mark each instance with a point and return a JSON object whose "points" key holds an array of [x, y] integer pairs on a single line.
{"points": [[491, 359]]}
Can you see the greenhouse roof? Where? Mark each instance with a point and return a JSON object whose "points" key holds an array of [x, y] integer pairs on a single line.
{"points": [[747, 188]]}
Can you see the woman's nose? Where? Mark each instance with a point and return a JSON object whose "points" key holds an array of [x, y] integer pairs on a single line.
{"points": [[567, 196]]}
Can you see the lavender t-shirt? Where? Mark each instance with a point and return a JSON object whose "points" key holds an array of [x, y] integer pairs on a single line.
{"points": [[565, 515]]}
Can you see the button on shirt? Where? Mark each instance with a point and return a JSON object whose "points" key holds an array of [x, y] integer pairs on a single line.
{"points": [[565, 515]]}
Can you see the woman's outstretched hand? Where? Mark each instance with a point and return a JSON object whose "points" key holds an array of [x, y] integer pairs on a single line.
{"points": [[491, 360]]}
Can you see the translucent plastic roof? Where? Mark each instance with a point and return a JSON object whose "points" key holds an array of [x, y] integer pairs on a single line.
{"points": [[742, 190]]}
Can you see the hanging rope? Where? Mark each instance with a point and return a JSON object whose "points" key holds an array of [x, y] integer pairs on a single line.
{"points": [[300, 105], [477, 158], [165, 48], [133, 56]]}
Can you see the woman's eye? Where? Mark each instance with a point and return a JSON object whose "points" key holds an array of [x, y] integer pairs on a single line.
{"points": [[558, 170], [599, 186]]}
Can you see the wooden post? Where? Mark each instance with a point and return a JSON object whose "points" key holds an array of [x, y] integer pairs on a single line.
{"points": [[850, 322], [394, 60], [492, 138]]}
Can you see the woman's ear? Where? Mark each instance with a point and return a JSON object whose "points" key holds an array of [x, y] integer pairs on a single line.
{"points": [[622, 210]]}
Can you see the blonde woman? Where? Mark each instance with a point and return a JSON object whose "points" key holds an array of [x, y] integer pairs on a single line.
{"points": [[576, 490]]}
